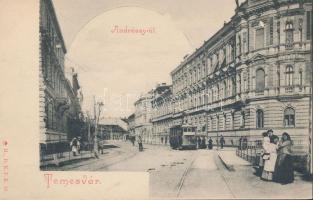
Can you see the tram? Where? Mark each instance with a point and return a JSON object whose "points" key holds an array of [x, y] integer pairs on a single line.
{"points": [[183, 137]]}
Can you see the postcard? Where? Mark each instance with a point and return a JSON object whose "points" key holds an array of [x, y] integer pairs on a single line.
{"points": [[167, 99]]}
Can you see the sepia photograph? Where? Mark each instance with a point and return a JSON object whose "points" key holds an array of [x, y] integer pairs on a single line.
{"points": [[211, 98]]}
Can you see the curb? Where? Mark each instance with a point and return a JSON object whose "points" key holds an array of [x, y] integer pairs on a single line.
{"points": [[228, 167]]}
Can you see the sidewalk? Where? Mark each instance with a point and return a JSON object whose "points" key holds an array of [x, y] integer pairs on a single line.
{"points": [[68, 157], [61, 159], [230, 159]]}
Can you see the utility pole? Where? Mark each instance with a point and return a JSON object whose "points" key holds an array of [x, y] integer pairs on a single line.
{"points": [[97, 112]]}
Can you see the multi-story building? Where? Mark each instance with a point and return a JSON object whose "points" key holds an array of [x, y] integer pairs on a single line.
{"points": [[162, 111], [143, 110], [252, 75], [60, 110]]}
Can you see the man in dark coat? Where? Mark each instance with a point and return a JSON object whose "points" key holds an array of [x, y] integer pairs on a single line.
{"points": [[222, 142], [210, 143]]}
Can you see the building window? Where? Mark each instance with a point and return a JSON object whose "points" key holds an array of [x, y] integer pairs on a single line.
{"points": [[289, 35], [278, 32], [233, 86], [244, 42], [300, 29], [239, 44], [289, 75], [278, 79], [259, 38], [271, 31], [308, 25], [225, 89], [242, 120], [232, 120], [300, 78], [289, 117], [259, 119], [232, 47], [260, 80]]}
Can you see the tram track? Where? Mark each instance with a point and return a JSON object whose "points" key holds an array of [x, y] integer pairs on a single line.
{"points": [[183, 177]]}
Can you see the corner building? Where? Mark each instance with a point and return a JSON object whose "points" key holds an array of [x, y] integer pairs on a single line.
{"points": [[252, 75], [162, 111], [142, 121]]}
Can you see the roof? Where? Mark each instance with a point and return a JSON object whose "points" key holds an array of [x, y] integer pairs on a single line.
{"points": [[113, 121]]}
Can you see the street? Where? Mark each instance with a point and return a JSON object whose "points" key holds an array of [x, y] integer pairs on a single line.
{"points": [[190, 174]]}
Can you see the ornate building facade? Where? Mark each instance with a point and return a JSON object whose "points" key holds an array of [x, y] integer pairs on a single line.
{"points": [[143, 111], [252, 75], [60, 109], [162, 111]]}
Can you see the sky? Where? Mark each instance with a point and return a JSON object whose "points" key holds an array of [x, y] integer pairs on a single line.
{"points": [[117, 67]]}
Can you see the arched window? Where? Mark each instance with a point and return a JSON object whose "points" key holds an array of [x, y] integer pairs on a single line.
{"points": [[260, 80], [259, 119], [289, 117], [289, 75]]}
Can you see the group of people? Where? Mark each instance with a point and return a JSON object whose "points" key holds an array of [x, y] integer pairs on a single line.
{"points": [[276, 160], [75, 146], [201, 143]]}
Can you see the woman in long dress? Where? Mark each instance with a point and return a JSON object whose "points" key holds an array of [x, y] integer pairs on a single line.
{"points": [[270, 161], [284, 164], [265, 142], [73, 145]]}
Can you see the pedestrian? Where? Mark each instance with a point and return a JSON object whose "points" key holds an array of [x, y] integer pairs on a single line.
{"points": [[240, 143], [271, 135], [140, 143], [264, 154], [244, 143], [284, 166], [222, 142], [210, 143], [180, 142], [132, 139], [203, 145], [270, 161], [199, 142], [78, 145], [73, 145]]}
